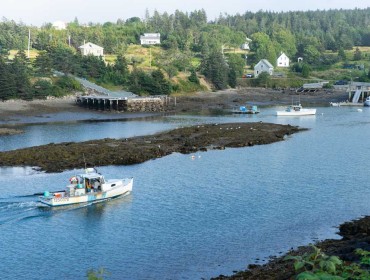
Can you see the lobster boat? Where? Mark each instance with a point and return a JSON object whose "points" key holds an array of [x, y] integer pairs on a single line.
{"points": [[88, 187], [296, 110]]}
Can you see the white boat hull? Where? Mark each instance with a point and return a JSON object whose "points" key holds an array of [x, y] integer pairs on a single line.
{"points": [[118, 187], [302, 112]]}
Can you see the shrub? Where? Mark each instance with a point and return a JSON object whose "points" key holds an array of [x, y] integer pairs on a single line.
{"points": [[319, 266], [68, 83]]}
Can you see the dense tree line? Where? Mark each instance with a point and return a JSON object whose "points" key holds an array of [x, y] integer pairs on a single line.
{"points": [[16, 75], [184, 37], [331, 30]]}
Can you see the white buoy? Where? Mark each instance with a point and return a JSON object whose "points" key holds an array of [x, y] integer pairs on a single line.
{"points": [[359, 110]]}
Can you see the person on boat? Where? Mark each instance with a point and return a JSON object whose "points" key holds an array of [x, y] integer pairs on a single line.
{"points": [[88, 185], [96, 185]]}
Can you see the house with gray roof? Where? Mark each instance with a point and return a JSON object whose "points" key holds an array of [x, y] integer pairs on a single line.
{"points": [[263, 66], [91, 49]]}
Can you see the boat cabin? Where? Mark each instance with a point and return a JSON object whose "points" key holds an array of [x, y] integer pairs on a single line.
{"points": [[295, 108], [89, 182]]}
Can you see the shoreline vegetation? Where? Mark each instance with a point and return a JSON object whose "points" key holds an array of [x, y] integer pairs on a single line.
{"points": [[355, 234]]}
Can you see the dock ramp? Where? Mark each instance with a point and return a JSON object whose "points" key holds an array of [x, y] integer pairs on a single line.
{"points": [[356, 97]]}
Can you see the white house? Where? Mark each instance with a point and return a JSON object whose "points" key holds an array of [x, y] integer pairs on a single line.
{"points": [[91, 49], [282, 61], [263, 66], [150, 39], [59, 25]]}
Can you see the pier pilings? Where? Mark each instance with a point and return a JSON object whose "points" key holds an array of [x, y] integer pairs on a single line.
{"points": [[122, 104]]}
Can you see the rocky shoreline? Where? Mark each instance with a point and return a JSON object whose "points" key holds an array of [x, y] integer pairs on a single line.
{"points": [[63, 156], [355, 235]]}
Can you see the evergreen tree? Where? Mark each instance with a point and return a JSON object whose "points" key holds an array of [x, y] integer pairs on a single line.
{"points": [[20, 71], [7, 82], [342, 54], [232, 78], [357, 55], [121, 71], [215, 69], [43, 64], [42, 89], [63, 59], [193, 77], [160, 84]]}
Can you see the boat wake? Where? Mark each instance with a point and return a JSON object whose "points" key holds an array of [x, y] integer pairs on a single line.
{"points": [[12, 211], [23, 208]]}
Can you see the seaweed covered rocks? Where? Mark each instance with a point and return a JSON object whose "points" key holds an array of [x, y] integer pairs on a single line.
{"points": [[63, 156]]}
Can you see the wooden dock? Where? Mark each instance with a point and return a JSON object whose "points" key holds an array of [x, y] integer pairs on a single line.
{"points": [[122, 104]]}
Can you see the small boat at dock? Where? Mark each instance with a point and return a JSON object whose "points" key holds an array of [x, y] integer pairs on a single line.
{"points": [[246, 110], [296, 110], [89, 187]]}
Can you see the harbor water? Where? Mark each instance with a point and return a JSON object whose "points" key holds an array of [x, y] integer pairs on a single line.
{"points": [[189, 216]]}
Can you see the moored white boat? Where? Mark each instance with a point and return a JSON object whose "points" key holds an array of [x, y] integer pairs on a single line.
{"points": [[88, 187], [296, 110], [367, 101]]}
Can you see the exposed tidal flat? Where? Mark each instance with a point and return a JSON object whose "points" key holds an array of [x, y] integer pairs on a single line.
{"points": [[186, 140], [190, 218]]}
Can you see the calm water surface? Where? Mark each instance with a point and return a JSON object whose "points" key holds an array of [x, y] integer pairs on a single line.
{"points": [[188, 218]]}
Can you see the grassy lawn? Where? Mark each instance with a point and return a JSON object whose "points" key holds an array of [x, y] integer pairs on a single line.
{"points": [[33, 53]]}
